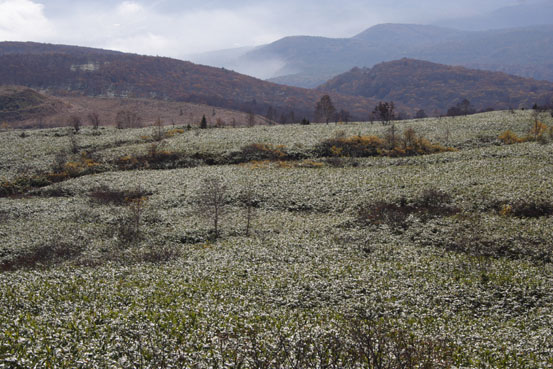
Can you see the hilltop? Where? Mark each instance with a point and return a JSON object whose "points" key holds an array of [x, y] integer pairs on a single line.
{"points": [[72, 70], [20, 104], [436, 87], [22, 107]]}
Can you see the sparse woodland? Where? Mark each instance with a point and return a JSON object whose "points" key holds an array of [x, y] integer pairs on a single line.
{"points": [[421, 243]]}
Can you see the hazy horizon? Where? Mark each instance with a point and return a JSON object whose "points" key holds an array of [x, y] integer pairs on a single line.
{"points": [[179, 29]]}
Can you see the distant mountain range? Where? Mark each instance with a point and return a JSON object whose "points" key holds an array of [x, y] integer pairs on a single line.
{"points": [[62, 69], [411, 84], [436, 87], [525, 14], [307, 61]]}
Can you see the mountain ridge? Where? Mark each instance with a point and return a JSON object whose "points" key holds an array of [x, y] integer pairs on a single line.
{"points": [[308, 61], [87, 72], [435, 87]]}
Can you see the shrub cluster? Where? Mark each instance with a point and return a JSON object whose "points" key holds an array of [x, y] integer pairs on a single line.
{"points": [[359, 343], [260, 152], [407, 144], [538, 132], [525, 208], [106, 196], [431, 203], [469, 237], [62, 170], [155, 158], [43, 255]]}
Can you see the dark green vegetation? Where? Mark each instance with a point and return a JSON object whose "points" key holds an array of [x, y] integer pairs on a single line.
{"points": [[354, 260]]}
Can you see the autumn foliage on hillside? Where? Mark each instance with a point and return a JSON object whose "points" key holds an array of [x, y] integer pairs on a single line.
{"points": [[436, 87], [94, 72]]}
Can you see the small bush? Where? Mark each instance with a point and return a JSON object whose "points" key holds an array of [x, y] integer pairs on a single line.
{"points": [[54, 191], [310, 164], [106, 196], [537, 131], [160, 254], [260, 152], [357, 343], [174, 131], [382, 212]]}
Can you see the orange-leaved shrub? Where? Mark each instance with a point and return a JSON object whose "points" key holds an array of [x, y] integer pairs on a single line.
{"points": [[509, 137], [538, 132], [407, 144]]}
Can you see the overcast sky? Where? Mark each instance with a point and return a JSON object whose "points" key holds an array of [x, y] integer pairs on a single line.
{"points": [[179, 28]]}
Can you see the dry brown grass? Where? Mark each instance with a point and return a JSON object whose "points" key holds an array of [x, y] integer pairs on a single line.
{"points": [[177, 113]]}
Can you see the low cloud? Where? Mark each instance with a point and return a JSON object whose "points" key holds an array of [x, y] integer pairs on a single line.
{"points": [[23, 20], [171, 28]]}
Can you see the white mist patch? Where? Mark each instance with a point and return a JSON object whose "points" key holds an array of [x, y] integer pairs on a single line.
{"points": [[263, 69], [239, 60]]}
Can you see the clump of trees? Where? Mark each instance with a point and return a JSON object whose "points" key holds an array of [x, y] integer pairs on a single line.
{"points": [[420, 114], [384, 112], [213, 201], [463, 107]]}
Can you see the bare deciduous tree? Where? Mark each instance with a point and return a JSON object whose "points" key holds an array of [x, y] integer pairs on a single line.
{"points": [[324, 110], [391, 138], [94, 119], [251, 118], [158, 133], [212, 201], [75, 122], [249, 201], [127, 119]]}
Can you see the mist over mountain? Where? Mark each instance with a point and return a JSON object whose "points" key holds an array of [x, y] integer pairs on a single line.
{"points": [[307, 61], [516, 39]]}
